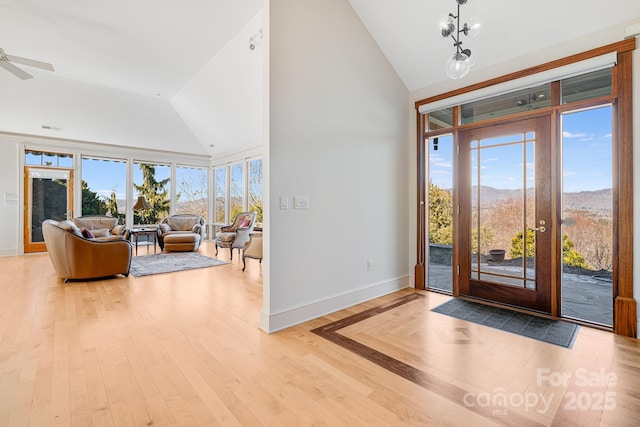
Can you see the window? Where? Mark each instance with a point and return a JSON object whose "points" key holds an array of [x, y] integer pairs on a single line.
{"points": [[441, 119], [255, 189], [104, 187], [192, 187], [153, 182], [221, 195], [508, 104], [43, 158], [236, 190]]}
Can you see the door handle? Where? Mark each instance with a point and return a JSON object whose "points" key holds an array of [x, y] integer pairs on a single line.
{"points": [[542, 228]]}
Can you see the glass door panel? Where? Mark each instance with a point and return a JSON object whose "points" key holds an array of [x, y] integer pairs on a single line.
{"points": [[440, 228], [48, 195], [505, 207], [587, 215]]}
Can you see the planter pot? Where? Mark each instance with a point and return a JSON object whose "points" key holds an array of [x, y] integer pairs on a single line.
{"points": [[497, 255]]}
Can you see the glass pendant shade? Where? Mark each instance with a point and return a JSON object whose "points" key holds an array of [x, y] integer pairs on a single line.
{"points": [[458, 66], [473, 27], [446, 25], [450, 25]]}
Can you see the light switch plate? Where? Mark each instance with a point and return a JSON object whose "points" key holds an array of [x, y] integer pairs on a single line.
{"points": [[284, 202], [301, 202]]}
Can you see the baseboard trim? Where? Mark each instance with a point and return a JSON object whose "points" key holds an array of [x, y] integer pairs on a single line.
{"points": [[284, 318], [8, 252]]}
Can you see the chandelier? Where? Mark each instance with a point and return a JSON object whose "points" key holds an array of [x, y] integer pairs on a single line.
{"points": [[461, 62]]}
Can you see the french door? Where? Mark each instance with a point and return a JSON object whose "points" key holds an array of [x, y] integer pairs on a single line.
{"points": [[48, 195], [505, 227]]}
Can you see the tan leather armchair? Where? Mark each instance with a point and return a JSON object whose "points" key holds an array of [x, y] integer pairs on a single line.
{"points": [[184, 232], [76, 257]]}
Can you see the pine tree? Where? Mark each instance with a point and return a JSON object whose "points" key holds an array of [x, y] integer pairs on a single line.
{"points": [[156, 194]]}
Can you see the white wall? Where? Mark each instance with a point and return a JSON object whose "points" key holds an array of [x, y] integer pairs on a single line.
{"points": [[338, 132], [87, 112], [222, 104], [9, 188]]}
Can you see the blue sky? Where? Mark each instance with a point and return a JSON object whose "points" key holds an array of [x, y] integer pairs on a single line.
{"points": [[105, 176], [587, 161]]}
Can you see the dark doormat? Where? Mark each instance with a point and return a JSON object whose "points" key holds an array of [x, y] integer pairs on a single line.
{"points": [[551, 331]]}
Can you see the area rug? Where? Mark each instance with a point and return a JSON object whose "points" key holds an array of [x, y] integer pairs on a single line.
{"points": [[551, 331], [170, 262]]}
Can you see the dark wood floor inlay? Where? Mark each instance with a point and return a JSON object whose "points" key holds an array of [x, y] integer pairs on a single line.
{"points": [[423, 379]]}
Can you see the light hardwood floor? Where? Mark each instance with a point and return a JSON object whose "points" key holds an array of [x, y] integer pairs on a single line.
{"points": [[185, 349]]}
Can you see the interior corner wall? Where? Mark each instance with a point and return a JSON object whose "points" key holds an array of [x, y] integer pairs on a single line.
{"points": [[338, 139], [222, 103], [9, 197]]}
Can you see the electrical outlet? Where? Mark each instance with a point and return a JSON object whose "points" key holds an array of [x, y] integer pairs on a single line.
{"points": [[369, 264]]}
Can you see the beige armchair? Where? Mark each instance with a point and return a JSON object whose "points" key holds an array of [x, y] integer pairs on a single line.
{"points": [[77, 257], [184, 232], [236, 235], [102, 227], [253, 249]]}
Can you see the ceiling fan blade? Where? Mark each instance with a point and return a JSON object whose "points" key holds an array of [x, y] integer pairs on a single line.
{"points": [[30, 62], [15, 70]]}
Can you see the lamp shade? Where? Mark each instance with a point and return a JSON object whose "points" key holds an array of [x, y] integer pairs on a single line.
{"points": [[141, 204]]}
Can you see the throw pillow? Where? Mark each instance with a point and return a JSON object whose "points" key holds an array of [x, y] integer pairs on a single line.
{"points": [[103, 232], [87, 233], [118, 230], [70, 226], [244, 223]]}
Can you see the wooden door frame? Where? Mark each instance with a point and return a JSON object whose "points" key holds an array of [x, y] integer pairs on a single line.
{"points": [[28, 246], [625, 306]]}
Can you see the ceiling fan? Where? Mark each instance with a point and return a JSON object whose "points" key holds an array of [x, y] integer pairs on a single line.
{"points": [[6, 62]]}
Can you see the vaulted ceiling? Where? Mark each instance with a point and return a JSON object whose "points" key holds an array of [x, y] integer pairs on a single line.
{"points": [[159, 48]]}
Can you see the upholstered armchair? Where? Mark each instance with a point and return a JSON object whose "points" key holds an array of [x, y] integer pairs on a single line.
{"points": [[236, 235], [102, 227], [77, 257], [253, 249], [184, 232]]}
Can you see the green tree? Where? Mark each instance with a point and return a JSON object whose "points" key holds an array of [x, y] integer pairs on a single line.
{"points": [[440, 215], [92, 204], [155, 192], [570, 256], [517, 245], [112, 206], [486, 237]]}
